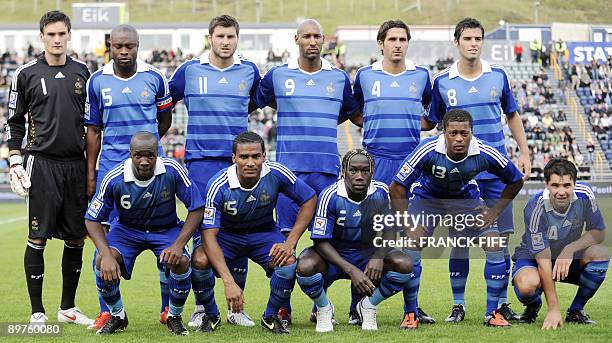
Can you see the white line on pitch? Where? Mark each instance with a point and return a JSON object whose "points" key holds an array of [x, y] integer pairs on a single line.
{"points": [[12, 220]]}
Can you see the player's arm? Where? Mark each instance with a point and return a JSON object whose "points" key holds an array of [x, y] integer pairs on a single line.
{"points": [[15, 131], [515, 124], [436, 110], [407, 174], [545, 270], [173, 254], [351, 109], [264, 96], [358, 278], [252, 93], [94, 144], [233, 293], [163, 102]]}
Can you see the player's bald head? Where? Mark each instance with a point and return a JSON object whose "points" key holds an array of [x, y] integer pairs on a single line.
{"points": [[309, 25], [143, 140], [125, 29]]}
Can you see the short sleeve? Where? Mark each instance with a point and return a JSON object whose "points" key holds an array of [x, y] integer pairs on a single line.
{"points": [[535, 227], [358, 91], [294, 188], [176, 84], [163, 100], [213, 204], [265, 92], [349, 103], [437, 109], [93, 110], [508, 103], [103, 201], [325, 216]]}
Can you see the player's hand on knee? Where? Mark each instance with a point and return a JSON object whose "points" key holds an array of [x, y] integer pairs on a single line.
{"points": [[171, 255], [374, 269], [234, 297], [280, 252], [20, 180], [552, 320], [361, 282], [110, 269], [489, 217]]}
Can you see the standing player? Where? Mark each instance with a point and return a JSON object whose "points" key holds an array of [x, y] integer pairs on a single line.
{"points": [[311, 97], [441, 169], [143, 190], [124, 97], [51, 91], [555, 249], [218, 89], [343, 236], [392, 94], [239, 223], [482, 89]]}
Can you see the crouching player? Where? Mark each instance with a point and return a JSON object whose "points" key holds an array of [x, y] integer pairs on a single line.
{"points": [[343, 234], [439, 172], [238, 223], [143, 191], [554, 247]]}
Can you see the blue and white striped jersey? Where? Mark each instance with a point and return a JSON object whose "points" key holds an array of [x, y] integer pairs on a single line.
{"points": [[392, 105], [217, 102]]}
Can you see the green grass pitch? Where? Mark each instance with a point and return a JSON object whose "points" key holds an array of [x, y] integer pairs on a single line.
{"points": [[142, 300]]}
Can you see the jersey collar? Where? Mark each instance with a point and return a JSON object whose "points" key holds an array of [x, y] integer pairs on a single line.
{"points": [[108, 69], [473, 149], [454, 69], [205, 60], [325, 65], [548, 204], [128, 172], [378, 65], [232, 176], [344, 193]]}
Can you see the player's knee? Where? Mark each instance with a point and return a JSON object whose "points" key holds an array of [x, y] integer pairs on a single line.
{"points": [[307, 266], [182, 266], [527, 282], [400, 263], [597, 252], [199, 260]]}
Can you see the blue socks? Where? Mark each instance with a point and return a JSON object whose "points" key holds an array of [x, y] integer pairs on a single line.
{"points": [[103, 307], [164, 289], [313, 287], [203, 284], [495, 275], [281, 286], [180, 285], [503, 297], [110, 293], [591, 278], [390, 284], [411, 290], [459, 268]]}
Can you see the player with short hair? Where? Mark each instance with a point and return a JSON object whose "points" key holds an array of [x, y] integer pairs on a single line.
{"points": [[564, 231], [483, 89], [50, 90], [442, 168], [143, 190], [238, 222], [218, 90], [125, 97], [392, 115], [343, 234], [311, 98]]}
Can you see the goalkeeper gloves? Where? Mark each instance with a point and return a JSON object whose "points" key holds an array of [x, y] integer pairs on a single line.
{"points": [[20, 180]]}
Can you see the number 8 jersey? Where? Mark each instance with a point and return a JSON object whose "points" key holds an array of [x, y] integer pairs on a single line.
{"points": [[486, 97]]}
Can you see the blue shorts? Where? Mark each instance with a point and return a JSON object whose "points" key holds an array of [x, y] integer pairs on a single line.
{"points": [[385, 169], [490, 191], [287, 209], [428, 210], [130, 243], [354, 257], [574, 272], [202, 170], [237, 246]]}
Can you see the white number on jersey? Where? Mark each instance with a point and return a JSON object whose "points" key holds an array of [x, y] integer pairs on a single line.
{"points": [[439, 172], [290, 85], [452, 97], [230, 207], [203, 82], [342, 218], [108, 99], [376, 88], [125, 201]]}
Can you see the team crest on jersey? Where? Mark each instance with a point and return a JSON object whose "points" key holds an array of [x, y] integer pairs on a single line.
{"points": [[165, 195], [537, 241], [493, 94], [264, 198], [319, 226], [34, 225], [330, 89], [413, 88], [209, 215], [78, 86], [144, 94], [405, 171], [13, 99], [241, 87]]}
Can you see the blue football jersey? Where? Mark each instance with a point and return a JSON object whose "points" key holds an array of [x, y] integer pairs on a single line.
{"points": [[392, 105], [308, 106], [547, 228], [145, 205], [348, 225], [233, 208], [442, 178], [486, 97], [122, 107], [217, 102]]}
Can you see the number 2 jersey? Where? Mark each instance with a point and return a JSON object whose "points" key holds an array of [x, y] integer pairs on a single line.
{"points": [[547, 228], [439, 177]]}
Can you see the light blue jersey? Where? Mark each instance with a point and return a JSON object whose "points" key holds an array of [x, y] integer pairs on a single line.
{"points": [[217, 102], [122, 107], [392, 105], [486, 97], [308, 105]]}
